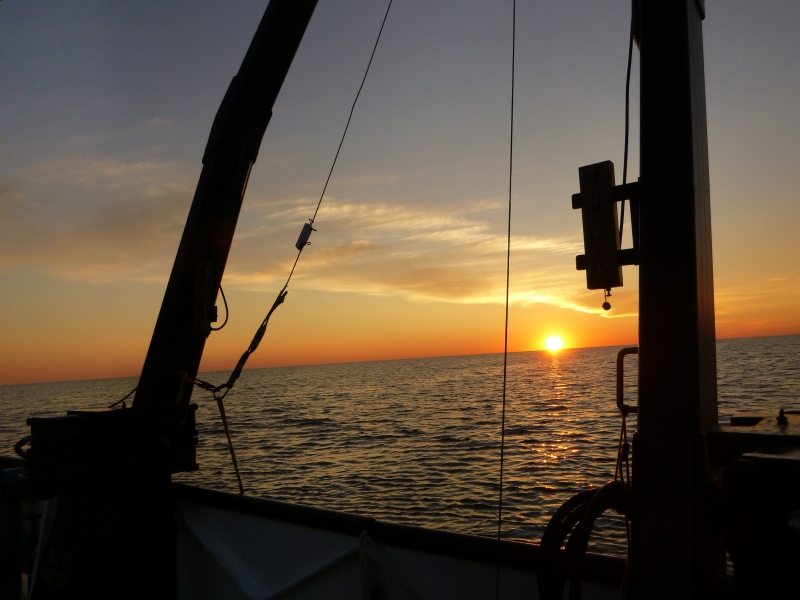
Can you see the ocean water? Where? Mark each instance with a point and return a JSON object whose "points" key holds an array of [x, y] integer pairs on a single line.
{"points": [[418, 441]]}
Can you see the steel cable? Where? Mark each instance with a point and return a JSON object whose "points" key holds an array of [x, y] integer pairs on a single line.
{"points": [[508, 280]]}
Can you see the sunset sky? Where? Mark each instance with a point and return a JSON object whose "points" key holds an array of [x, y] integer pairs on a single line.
{"points": [[105, 108]]}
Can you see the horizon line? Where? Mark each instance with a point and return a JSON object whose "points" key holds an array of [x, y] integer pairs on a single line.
{"points": [[355, 362]]}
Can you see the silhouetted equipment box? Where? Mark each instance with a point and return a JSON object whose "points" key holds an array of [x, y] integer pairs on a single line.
{"points": [[761, 457], [91, 447], [600, 226], [762, 502], [601, 239]]}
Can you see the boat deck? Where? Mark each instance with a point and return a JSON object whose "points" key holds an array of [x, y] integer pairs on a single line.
{"points": [[232, 546]]}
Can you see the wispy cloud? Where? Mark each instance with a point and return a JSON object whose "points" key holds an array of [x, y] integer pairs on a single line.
{"points": [[420, 253], [95, 219], [108, 219]]}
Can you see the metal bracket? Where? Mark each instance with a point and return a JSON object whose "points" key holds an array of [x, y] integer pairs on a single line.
{"points": [[626, 257], [629, 191], [624, 408]]}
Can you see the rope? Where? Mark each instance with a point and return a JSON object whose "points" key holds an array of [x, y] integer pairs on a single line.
{"points": [[215, 391], [627, 124], [624, 476], [508, 279], [122, 400], [221, 407]]}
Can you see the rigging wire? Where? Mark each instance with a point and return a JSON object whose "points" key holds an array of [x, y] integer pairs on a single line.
{"points": [[220, 391], [221, 407], [508, 274], [341, 140], [282, 294], [352, 108], [627, 127]]}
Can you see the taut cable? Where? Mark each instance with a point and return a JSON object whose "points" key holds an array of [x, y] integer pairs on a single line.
{"points": [[508, 279]]}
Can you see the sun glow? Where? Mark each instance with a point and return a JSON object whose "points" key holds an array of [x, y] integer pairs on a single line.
{"points": [[554, 343]]}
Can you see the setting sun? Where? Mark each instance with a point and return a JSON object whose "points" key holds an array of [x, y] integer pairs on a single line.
{"points": [[554, 343]]}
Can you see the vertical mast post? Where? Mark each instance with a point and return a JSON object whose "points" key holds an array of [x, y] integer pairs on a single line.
{"points": [[676, 553]]}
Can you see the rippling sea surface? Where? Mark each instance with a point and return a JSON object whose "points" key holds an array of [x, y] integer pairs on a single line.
{"points": [[418, 441]]}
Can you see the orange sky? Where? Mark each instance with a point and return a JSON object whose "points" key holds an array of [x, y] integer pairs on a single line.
{"points": [[101, 136], [318, 327]]}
